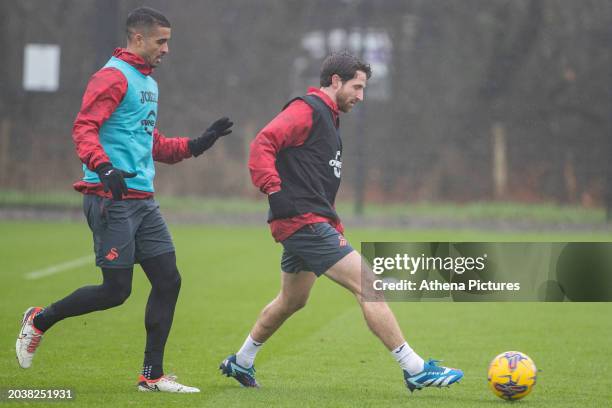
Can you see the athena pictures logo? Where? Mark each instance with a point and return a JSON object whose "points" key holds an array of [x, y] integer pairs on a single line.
{"points": [[336, 163]]}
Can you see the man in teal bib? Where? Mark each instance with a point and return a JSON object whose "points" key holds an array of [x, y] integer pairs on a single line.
{"points": [[117, 140]]}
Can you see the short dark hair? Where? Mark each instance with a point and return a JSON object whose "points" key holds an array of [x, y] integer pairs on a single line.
{"points": [[144, 17], [344, 65]]}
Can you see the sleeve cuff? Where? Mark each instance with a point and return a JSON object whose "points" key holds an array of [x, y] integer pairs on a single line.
{"points": [[272, 189]]}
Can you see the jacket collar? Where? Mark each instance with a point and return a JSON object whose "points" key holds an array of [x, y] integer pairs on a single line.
{"points": [[325, 98], [134, 60]]}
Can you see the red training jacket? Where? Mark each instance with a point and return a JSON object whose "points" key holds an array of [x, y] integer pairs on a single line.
{"points": [[290, 128], [104, 93]]}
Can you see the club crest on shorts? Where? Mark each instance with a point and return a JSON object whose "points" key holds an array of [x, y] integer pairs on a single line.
{"points": [[112, 254]]}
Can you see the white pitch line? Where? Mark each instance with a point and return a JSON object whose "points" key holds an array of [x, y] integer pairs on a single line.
{"points": [[65, 266]]}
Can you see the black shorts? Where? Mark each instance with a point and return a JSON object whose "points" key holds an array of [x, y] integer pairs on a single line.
{"points": [[314, 247], [126, 232]]}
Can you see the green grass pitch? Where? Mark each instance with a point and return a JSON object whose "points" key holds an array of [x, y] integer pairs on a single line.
{"points": [[323, 356]]}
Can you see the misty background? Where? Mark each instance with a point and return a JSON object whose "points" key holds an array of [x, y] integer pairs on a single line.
{"points": [[470, 101]]}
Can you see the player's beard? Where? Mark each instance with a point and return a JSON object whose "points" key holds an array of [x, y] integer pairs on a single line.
{"points": [[155, 60], [345, 102]]}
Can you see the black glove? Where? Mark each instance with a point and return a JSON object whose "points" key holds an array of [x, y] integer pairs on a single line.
{"points": [[113, 179], [281, 206], [220, 127]]}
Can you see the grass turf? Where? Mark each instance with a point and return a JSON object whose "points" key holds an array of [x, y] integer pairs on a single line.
{"points": [[473, 211], [323, 356]]}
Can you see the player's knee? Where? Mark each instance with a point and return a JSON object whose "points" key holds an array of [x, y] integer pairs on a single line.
{"points": [[369, 294], [117, 286], [300, 303], [175, 282], [171, 284], [117, 295], [292, 305], [121, 295]]}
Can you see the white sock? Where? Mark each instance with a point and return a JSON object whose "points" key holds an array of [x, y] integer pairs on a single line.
{"points": [[246, 355], [408, 359]]}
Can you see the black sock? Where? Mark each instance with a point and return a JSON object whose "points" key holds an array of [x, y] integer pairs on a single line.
{"points": [[113, 291], [165, 286]]}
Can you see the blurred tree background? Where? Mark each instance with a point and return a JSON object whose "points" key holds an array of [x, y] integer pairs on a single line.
{"points": [[471, 100]]}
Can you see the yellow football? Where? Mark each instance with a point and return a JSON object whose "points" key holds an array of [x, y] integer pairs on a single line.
{"points": [[512, 375]]}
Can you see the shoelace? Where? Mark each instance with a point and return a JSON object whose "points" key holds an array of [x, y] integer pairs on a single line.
{"points": [[34, 342], [433, 367], [171, 378], [251, 370]]}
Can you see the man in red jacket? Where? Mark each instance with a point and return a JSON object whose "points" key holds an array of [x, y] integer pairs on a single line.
{"points": [[117, 140], [297, 161]]}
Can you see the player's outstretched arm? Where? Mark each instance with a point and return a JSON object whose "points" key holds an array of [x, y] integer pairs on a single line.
{"points": [[172, 150], [220, 127], [169, 150]]}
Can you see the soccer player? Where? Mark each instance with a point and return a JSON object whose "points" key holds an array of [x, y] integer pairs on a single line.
{"points": [[117, 140], [297, 161]]}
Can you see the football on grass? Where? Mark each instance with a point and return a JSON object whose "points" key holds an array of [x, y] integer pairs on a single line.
{"points": [[512, 375]]}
